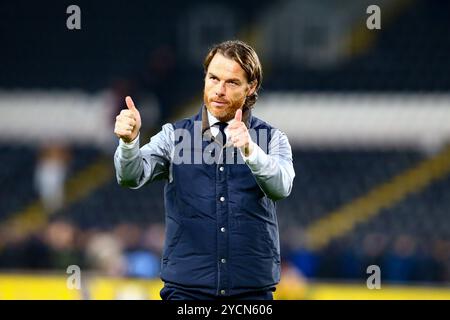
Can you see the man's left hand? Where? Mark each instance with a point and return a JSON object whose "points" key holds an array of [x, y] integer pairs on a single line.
{"points": [[239, 135]]}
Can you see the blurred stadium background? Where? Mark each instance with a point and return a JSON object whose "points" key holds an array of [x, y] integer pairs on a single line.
{"points": [[366, 111]]}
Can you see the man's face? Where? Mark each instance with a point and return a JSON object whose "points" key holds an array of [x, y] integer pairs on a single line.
{"points": [[226, 87]]}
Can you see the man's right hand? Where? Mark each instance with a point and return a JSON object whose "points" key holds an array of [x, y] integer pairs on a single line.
{"points": [[128, 122]]}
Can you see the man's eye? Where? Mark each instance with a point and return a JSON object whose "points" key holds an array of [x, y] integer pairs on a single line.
{"points": [[213, 78]]}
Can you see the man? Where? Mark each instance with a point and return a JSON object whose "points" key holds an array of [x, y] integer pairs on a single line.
{"points": [[224, 169]]}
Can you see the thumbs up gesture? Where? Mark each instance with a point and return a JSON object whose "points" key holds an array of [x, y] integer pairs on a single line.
{"points": [[239, 135], [128, 122]]}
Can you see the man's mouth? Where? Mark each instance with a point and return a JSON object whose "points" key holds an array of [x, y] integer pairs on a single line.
{"points": [[219, 103]]}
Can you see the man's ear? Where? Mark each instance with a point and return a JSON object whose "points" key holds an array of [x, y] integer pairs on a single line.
{"points": [[252, 88]]}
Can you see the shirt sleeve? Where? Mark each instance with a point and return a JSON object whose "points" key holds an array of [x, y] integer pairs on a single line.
{"points": [[136, 166], [274, 172]]}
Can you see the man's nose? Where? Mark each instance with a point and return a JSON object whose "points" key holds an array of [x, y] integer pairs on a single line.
{"points": [[220, 89]]}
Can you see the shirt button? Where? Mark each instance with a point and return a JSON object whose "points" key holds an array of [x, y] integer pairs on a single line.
{"points": [[222, 199], [221, 168], [222, 291], [222, 229], [223, 260]]}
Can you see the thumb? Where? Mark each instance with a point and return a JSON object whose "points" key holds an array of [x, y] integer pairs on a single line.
{"points": [[130, 103], [238, 115]]}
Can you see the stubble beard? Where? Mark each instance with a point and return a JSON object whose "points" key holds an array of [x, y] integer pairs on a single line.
{"points": [[225, 114]]}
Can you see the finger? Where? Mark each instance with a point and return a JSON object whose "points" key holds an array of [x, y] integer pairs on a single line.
{"points": [[125, 127], [235, 125], [127, 113], [126, 130], [238, 115], [237, 132], [131, 122], [122, 133], [126, 122], [130, 103], [237, 138], [232, 126]]}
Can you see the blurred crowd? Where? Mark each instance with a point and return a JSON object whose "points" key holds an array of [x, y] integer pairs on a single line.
{"points": [[401, 258], [126, 250]]}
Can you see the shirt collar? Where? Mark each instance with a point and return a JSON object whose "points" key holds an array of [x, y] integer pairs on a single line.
{"points": [[213, 120], [208, 119]]}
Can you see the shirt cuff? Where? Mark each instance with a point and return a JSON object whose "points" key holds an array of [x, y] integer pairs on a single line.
{"points": [[257, 159], [251, 158], [129, 149]]}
